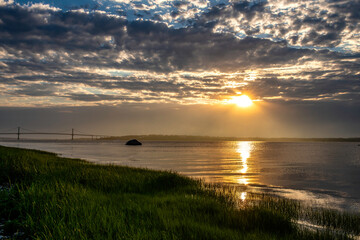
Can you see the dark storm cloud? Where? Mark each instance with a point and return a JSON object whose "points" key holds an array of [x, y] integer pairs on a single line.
{"points": [[327, 26], [250, 9], [35, 90], [180, 3], [352, 8], [36, 31], [222, 11], [154, 46], [325, 32]]}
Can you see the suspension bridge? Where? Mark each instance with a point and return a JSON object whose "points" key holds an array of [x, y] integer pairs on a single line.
{"points": [[19, 132]]}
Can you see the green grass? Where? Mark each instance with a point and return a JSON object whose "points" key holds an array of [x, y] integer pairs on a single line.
{"points": [[50, 197]]}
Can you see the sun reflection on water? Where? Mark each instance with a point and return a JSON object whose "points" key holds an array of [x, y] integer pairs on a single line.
{"points": [[244, 148], [243, 196]]}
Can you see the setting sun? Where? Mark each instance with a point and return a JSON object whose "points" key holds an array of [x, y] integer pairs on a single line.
{"points": [[242, 101]]}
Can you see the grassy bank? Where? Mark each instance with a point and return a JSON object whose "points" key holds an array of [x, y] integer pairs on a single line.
{"points": [[49, 197]]}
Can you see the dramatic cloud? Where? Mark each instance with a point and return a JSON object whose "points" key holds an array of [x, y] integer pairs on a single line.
{"points": [[49, 47]]}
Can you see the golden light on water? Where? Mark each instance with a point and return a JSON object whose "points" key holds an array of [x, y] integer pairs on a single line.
{"points": [[244, 149], [242, 101], [243, 181], [236, 167], [243, 196]]}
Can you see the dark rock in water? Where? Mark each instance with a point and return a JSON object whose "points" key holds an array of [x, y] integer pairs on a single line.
{"points": [[133, 142]]}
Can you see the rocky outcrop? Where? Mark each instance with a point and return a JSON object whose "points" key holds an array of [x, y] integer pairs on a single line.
{"points": [[133, 142]]}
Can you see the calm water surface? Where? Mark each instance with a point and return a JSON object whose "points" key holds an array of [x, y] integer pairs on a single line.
{"points": [[322, 173]]}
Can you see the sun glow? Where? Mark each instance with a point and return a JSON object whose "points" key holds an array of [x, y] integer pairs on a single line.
{"points": [[242, 101]]}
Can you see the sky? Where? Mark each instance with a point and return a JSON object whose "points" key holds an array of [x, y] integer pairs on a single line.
{"points": [[119, 67]]}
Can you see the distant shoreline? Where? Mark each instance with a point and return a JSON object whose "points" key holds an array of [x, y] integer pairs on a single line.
{"points": [[215, 139], [189, 138]]}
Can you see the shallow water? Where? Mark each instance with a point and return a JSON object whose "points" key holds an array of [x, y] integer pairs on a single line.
{"points": [[322, 173]]}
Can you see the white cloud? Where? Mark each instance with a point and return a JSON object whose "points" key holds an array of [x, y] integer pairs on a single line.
{"points": [[6, 2], [42, 6]]}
